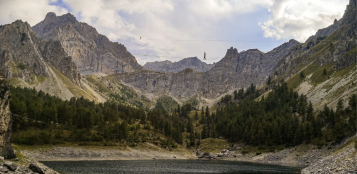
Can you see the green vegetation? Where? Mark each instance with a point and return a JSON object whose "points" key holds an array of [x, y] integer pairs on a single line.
{"points": [[302, 75], [166, 103], [75, 90], [22, 66], [282, 118], [101, 87], [321, 73], [213, 145], [43, 119]]}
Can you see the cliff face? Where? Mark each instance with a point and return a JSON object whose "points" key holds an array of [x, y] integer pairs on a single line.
{"points": [[22, 54], [5, 122], [325, 31], [168, 66], [339, 46], [91, 51], [235, 70]]}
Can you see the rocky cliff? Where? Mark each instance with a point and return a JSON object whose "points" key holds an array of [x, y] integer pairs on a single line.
{"points": [[29, 61], [22, 54], [323, 33], [91, 51], [168, 66], [335, 54], [235, 70], [5, 121]]}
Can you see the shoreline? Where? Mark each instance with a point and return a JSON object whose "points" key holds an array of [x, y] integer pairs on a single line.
{"points": [[339, 159]]}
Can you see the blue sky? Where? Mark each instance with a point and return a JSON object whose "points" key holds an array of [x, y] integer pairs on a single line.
{"points": [[175, 29]]}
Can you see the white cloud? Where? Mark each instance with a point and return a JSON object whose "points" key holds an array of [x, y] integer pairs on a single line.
{"points": [[300, 19], [32, 11]]}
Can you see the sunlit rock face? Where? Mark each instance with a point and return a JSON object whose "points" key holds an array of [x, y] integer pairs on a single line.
{"points": [[91, 51]]}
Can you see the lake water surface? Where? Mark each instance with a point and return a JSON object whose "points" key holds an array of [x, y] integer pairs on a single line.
{"points": [[165, 167]]}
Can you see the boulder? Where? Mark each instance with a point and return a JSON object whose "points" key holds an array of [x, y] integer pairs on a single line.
{"points": [[3, 169], [204, 155], [198, 153], [11, 166], [212, 156], [36, 168], [219, 155]]}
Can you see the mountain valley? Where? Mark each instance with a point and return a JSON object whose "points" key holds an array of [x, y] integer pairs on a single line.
{"points": [[74, 95]]}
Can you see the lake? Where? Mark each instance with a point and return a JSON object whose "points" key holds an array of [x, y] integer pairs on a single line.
{"points": [[165, 167]]}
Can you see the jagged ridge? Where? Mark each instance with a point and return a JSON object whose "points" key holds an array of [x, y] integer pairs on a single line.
{"points": [[168, 66]]}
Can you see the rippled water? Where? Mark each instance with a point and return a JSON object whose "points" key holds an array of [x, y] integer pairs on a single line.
{"points": [[165, 167]]}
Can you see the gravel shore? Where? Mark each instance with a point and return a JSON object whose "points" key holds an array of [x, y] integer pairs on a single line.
{"points": [[336, 159]]}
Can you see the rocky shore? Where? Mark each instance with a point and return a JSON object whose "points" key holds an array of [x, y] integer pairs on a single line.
{"points": [[29, 166], [332, 159], [340, 159], [103, 153]]}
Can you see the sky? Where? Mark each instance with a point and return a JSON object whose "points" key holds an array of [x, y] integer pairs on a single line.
{"points": [[176, 29]]}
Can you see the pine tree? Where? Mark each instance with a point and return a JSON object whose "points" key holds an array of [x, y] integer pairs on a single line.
{"points": [[324, 72], [269, 80], [302, 75], [204, 131], [299, 134], [196, 115]]}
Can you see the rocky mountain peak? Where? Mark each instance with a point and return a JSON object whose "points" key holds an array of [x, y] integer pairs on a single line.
{"points": [[49, 17], [20, 47], [232, 52], [91, 51], [168, 66], [335, 21]]}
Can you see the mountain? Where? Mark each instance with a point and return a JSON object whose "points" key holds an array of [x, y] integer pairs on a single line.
{"points": [[168, 66], [328, 63], [235, 70], [29, 61], [91, 51], [20, 47], [323, 33]]}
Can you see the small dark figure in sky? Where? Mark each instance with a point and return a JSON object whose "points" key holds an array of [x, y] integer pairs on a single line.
{"points": [[204, 56]]}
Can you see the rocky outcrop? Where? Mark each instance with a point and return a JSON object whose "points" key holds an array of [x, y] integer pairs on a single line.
{"points": [[5, 122], [168, 66], [339, 47], [323, 33], [235, 70], [91, 51], [22, 54]]}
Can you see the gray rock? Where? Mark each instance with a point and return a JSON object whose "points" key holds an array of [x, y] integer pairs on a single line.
{"points": [[91, 51], [168, 66], [325, 31], [6, 149], [32, 56], [235, 70], [204, 155], [10, 165], [36, 168], [212, 156], [3, 169]]}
